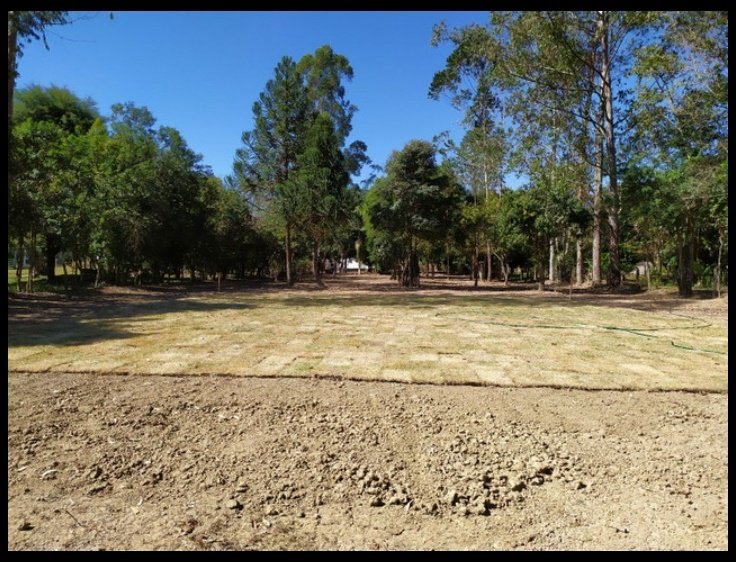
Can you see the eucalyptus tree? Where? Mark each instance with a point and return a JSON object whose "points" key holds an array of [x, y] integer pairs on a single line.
{"points": [[565, 70], [681, 113], [473, 85]]}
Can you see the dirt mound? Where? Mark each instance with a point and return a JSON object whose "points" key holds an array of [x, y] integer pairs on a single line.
{"points": [[118, 462]]}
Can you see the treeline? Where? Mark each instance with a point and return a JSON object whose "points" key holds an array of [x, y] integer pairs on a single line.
{"points": [[126, 201], [119, 197], [625, 112], [616, 121]]}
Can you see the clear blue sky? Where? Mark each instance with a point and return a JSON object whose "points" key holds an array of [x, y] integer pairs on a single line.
{"points": [[200, 72]]}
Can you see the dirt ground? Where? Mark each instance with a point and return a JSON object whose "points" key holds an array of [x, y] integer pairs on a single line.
{"points": [[218, 463]]}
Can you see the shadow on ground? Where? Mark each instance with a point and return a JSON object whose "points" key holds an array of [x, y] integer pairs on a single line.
{"points": [[95, 315], [54, 319]]}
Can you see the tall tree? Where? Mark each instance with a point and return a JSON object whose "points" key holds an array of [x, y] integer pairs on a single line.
{"points": [[682, 124], [470, 79], [319, 185], [289, 106], [560, 68], [409, 204], [55, 122], [265, 163]]}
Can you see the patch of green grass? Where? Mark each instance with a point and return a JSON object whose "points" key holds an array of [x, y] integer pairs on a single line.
{"points": [[40, 282]]}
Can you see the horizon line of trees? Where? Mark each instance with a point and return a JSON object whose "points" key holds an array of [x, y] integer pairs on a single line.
{"points": [[619, 120]]}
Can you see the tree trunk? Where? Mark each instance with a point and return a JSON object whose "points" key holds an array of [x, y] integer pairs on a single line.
{"points": [[98, 265], [315, 263], [540, 254], [718, 265], [646, 271], [32, 265], [410, 275], [489, 264], [614, 266], [475, 266], [505, 269], [357, 253], [597, 199], [50, 256], [685, 266], [19, 265], [447, 246], [578, 261], [287, 252], [66, 276], [570, 286], [551, 260]]}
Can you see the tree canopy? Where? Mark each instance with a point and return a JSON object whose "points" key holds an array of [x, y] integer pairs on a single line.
{"points": [[617, 121]]}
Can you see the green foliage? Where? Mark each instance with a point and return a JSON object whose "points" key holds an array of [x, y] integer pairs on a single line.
{"points": [[55, 105], [131, 199], [293, 164], [560, 97], [417, 200], [32, 25], [318, 186]]}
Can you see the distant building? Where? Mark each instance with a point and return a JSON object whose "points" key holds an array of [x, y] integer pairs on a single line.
{"points": [[351, 264], [641, 268]]}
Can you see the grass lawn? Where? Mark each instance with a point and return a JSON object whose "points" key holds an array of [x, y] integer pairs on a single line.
{"points": [[516, 338], [40, 283]]}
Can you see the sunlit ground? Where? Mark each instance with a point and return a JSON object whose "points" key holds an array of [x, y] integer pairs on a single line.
{"points": [[375, 331]]}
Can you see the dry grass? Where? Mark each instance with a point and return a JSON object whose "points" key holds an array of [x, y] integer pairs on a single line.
{"points": [[440, 336]]}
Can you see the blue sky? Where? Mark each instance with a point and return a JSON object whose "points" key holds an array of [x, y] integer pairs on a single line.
{"points": [[200, 72]]}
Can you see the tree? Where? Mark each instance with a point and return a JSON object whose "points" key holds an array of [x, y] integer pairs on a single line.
{"points": [[288, 107], [682, 124], [545, 211], [561, 70], [176, 207], [54, 123], [470, 79], [318, 185], [409, 204], [25, 27], [265, 163], [510, 238], [324, 73]]}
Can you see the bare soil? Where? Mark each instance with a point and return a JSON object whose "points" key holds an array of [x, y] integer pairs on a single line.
{"points": [[219, 463]]}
